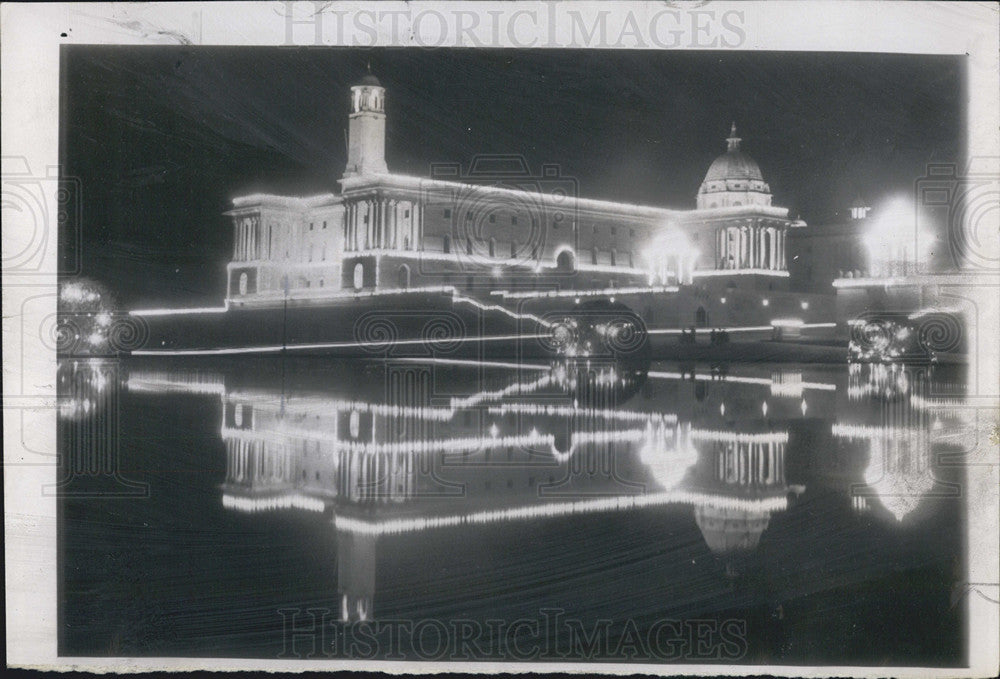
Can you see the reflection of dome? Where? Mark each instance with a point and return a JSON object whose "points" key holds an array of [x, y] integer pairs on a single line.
{"points": [[733, 179], [730, 530]]}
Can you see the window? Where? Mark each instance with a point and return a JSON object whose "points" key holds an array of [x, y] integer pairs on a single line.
{"points": [[321, 282], [614, 230], [324, 224], [359, 276], [406, 214], [243, 283], [310, 226], [493, 219], [513, 219], [447, 213], [631, 233], [308, 284], [468, 216]]}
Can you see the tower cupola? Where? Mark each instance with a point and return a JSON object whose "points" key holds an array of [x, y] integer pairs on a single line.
{"points": [[366, 128]]}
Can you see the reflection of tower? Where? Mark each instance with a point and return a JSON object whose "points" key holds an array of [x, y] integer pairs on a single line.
{"points": [[356, 576], [366, 129]]}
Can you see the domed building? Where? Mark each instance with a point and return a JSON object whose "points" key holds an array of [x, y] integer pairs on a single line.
{"points": [[733, 179]]}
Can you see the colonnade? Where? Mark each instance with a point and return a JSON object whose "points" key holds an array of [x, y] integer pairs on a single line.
{"points": [[249, 243], [751, 247], [383, 224]]}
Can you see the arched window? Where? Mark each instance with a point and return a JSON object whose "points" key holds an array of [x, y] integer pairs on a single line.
{"points": [[447, 244], [566, 261], [593, 255], [243, 283], [403, 276], [359, 276], [701, 317], [406, 242], [513, 249], [614, 257], [468, 245], [493, 246]]}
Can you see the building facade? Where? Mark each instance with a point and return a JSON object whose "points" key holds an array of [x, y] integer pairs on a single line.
{"points": [[498, 230]]}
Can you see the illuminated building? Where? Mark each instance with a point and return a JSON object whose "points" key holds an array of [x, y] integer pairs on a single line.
{"points": [[497, 229]]}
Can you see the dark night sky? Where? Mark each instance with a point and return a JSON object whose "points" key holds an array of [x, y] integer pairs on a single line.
{"points": [[161, 138]]}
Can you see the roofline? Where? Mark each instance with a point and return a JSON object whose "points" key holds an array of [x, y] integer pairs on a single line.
{"points": [[285, 202], [409, 182]]}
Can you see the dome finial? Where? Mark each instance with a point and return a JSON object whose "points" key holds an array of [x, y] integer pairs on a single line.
{"points": [[733, 140]]}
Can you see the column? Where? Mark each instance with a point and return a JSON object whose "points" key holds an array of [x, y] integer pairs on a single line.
{"points": [[348, 214], [370, 225], [419, 239], [380, 224]]}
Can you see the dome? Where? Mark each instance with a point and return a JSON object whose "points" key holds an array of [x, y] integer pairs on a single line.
{"points": [[733, 164], [371, 81], [733, 179]]}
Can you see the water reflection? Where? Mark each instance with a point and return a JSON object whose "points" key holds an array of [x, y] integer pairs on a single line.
{"points": [[420, 448]]}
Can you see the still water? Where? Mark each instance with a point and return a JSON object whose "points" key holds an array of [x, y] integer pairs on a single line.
{"points": [[541, 511]]}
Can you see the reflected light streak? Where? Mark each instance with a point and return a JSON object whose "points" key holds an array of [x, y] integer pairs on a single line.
{"points": [[264, 504], [533, 512], [532, 294]]}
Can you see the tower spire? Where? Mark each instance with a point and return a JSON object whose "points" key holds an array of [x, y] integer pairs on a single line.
{"points": [[733, 140]]}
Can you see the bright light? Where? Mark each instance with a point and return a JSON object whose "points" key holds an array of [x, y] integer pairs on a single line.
{"points": [[763, 408], [896, 245], [804, 305], [765, 302], [722, 300]]}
